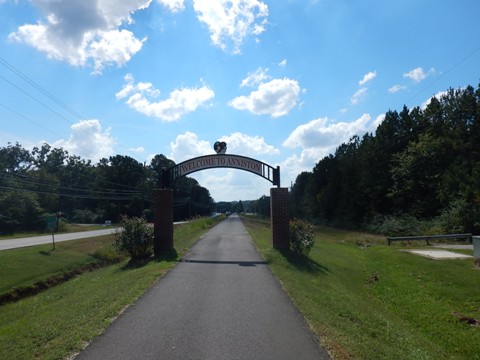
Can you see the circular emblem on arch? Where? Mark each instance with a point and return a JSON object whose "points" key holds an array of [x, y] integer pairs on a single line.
{"points": [[220, 147]]}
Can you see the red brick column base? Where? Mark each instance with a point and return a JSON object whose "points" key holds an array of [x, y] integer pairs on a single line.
{"points": [[279, 215], [163, 221]]}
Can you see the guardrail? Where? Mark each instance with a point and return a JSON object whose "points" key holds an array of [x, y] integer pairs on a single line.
{"points": [[430, 237]]}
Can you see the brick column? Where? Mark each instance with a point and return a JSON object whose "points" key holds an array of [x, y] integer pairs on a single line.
{"points": [[163, 221], [279, 215]]}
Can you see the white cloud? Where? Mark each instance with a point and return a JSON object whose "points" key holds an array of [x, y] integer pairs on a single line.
{"points": [[188, 146], [138, 150], [231, 21], [368, 77], [437, 95], [88, 141], [255, 78], [173, 5], [142, 97], [323, 134], [319, 138], [358, 96], [378, 120], [84, 32], [242, 144], [396, 88], [275, 98], [296, 164], [418, 74]]}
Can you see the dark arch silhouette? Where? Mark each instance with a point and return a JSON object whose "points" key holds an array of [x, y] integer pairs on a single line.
{"points": [[170, 175], [163, 197]]}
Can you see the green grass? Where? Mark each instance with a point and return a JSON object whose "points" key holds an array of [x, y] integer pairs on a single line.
{"points": [[374, 302], [59, 322], [25, 266]]}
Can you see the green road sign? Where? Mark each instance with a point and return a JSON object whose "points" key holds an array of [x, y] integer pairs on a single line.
{"points": [[51, 222]]}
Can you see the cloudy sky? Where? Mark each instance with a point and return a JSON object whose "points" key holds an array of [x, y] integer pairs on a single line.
{"points": [[284, 81]]}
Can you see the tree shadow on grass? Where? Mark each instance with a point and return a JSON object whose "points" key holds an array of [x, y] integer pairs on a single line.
{"points": [[167, 255], [136, 263], [304, 263]]}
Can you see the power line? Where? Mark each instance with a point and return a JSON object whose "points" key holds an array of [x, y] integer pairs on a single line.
{"points": [[109, 198], [35, 99], [38, 87], [462, 60], [35, 181], [46, 93], [28, 119]]}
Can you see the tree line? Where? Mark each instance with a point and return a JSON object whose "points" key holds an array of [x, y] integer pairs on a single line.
{"points": [[419, 172], [44, 181]]}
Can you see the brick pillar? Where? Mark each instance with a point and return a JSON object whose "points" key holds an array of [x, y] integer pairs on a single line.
{"points": [[163, 221], [279, 215]]}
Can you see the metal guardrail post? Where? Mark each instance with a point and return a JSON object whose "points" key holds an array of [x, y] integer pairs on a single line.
{"points": [[476, 249]]}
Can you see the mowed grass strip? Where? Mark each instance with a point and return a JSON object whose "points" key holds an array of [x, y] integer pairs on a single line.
{"points": [[366, 300], [60, 321], [23, 267]]}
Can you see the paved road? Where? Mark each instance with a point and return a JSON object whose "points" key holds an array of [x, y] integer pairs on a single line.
{"points": [[220, 302], [47, 239]]}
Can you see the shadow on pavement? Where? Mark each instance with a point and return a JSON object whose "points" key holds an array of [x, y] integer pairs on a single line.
{"points": [[239, 263]]}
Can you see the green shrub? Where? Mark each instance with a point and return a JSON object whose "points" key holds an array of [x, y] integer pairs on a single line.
{"points": [[301, 237], [135, 239], [396, 225]]}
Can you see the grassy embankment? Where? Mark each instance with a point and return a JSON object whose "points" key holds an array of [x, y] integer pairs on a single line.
{"points": [[366, 300], [61, 320]]}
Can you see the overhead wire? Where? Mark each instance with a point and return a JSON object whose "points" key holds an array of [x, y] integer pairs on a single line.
{"points": [[35, 181], [39, 88], [29, 120], [46, 93], [110, 198], [35, 99]]}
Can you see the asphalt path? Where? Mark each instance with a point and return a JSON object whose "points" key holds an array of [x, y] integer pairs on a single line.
{"points": [[220, 302], [47, 239]]}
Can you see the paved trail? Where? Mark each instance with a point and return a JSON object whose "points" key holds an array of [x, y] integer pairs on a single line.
{"points": [[220, 302]]}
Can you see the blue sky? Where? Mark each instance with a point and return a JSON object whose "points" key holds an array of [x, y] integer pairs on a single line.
{"points": [[284, 81]]}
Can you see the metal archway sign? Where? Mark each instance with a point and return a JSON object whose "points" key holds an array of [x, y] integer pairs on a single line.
{"points": [[257, 167]]}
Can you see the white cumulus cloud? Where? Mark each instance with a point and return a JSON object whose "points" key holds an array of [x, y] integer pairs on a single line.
{"points": [[89, 141], [242, 144], [187, 146], [396, 88], [368, 77], [84, 32], [231, 21], [275, 98], [322, 133], [438, 96], [418, 74], [143, 97], [319, 138], [173, 5]]}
